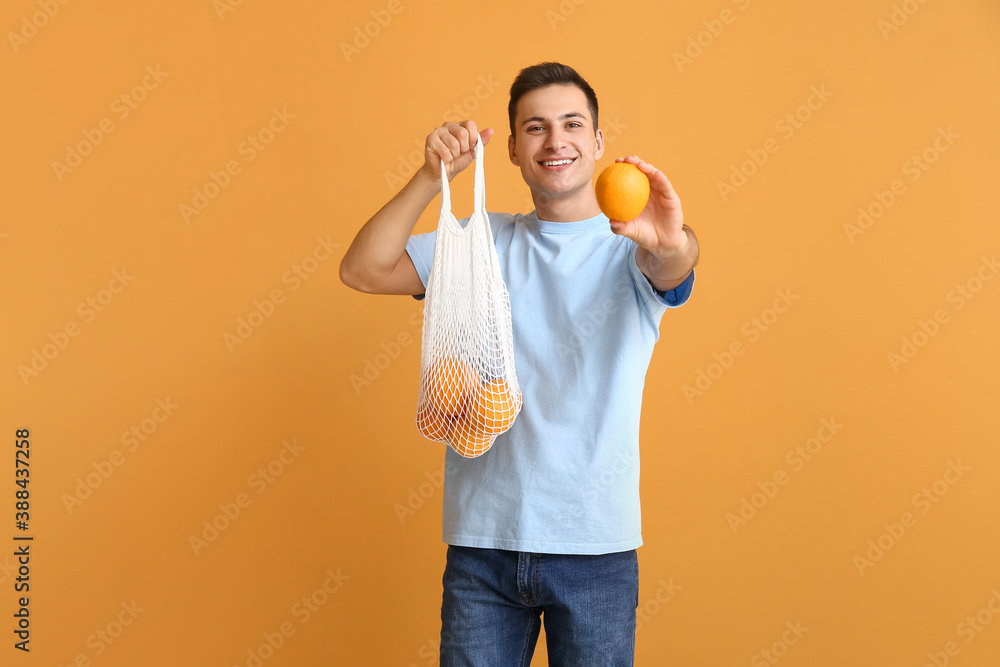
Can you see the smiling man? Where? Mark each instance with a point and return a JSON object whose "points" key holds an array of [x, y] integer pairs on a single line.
{"points": [[544, 527]]}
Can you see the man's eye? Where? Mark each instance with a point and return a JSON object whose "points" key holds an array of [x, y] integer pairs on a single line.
{"points": [[575, 124], [534, 127]]}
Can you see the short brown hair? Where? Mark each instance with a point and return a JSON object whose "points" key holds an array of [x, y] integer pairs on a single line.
{"points": [[548, 74]]}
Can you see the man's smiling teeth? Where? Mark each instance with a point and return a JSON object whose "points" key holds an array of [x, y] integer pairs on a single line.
{"points": [[553, 163]]}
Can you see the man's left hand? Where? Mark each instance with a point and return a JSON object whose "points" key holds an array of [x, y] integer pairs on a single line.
{"points": [[667, 248]]}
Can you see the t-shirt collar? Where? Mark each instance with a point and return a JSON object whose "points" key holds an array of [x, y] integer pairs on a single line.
{"points": [[551, 227]]}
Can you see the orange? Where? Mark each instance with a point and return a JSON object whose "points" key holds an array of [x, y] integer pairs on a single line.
{"points": [[467, 440], [452, 382], [622, 191], [493, 409], [432, 423]]}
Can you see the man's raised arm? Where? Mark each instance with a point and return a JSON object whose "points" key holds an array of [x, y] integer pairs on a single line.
{"points": [[377, 262]]}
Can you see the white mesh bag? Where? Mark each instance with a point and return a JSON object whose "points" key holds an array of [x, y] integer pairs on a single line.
{"points": [[468, 387]]}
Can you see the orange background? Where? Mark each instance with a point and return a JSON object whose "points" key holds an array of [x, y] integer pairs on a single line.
{"points": [[359, 497]]}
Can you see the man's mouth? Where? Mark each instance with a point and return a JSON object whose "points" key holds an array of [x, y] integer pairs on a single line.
{"points": [[558, 163]]}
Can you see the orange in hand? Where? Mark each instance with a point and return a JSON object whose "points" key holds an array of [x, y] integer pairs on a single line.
{"points": [[452, 383], [622, 191], [493, 409]]}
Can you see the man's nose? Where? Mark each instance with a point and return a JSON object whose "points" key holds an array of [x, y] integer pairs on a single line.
{"points": [[555, 140]]}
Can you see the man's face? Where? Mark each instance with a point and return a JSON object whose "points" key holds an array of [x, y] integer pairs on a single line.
{"points": [[554, 142]]}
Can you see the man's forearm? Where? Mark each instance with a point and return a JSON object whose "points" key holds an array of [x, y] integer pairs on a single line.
{"points": [[380, 242], [667, 271]]}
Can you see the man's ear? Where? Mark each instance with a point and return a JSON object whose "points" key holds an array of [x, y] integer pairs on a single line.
{"points": [[512, 151], [599, 153]]}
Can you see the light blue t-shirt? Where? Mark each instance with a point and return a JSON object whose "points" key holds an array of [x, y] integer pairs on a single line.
{"points": [[565, 477]]}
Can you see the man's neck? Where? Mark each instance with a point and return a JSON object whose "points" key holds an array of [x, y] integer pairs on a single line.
{"points": [[567, 209]]}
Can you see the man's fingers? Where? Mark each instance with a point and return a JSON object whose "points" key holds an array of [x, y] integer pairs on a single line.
{"points": [[470, 135], [453, 142], [450, 136], [459, 144], [452, 147], [475, 135], [633, 159], [442, 149], [655, 176], [652, 173]]}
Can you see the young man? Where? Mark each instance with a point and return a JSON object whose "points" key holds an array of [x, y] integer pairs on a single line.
{"points": [[544, 526]]}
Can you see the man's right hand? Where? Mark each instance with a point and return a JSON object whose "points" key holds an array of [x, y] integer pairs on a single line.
{"points": [[455, 144]]}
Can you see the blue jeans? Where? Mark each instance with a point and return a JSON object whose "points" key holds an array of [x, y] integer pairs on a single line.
{"points": [[495, 601]]}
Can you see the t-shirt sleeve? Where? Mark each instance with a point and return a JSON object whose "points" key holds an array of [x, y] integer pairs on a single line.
{"points": [[673, 298], [679, 295], [420, 248]]}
